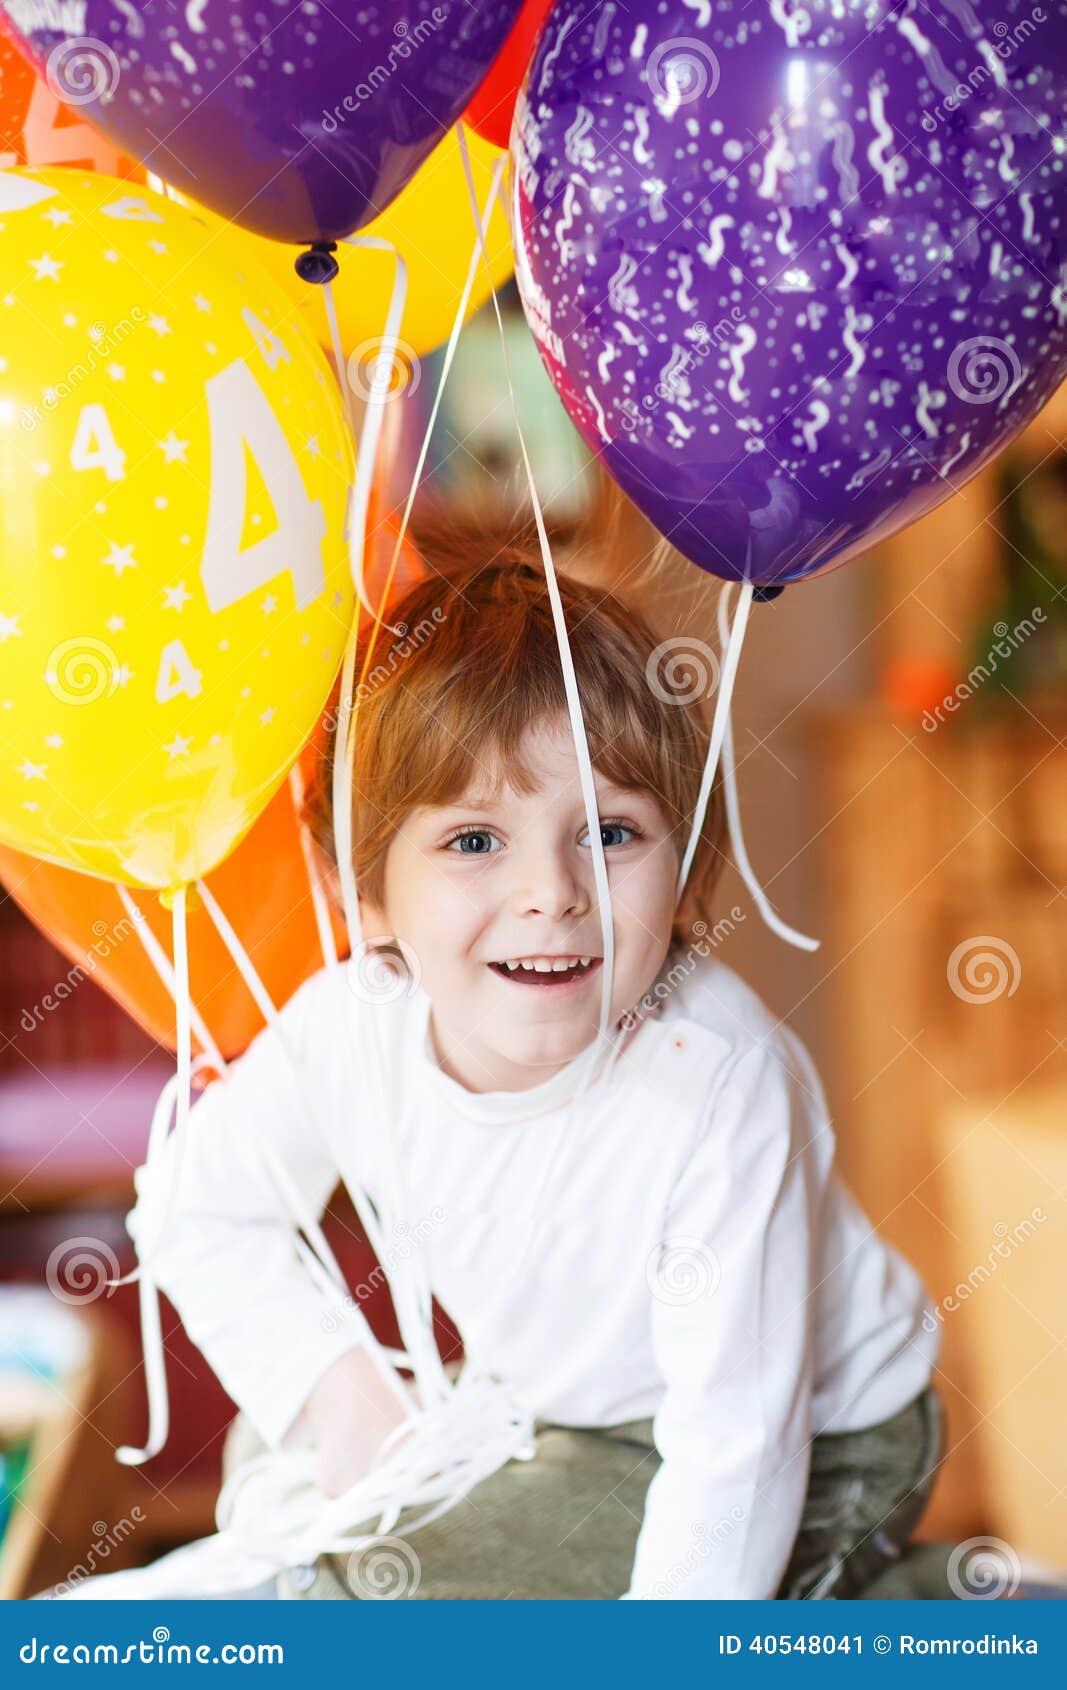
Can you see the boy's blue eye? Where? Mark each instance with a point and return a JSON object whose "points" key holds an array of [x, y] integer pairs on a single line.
{"points": [[480, 843], [607, 828]]}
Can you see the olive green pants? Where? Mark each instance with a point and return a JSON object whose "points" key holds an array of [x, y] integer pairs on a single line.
{"points": [[565, 1524]]}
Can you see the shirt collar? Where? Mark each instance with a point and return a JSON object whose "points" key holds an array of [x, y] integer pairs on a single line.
{"points": [[497, 1108]]}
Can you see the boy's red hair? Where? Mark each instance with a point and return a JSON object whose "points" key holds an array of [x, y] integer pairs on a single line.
{"points": [[477, 665]]}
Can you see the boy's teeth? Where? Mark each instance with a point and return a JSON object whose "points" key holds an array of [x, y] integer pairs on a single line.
{"points": [[560, 965]]}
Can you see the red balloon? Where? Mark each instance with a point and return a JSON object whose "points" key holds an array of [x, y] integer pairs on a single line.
{"points": [[492, 108], [37, 129]]}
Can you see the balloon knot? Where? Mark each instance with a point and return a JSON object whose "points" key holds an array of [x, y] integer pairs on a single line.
{"points": [[317, 264], [766, 595], [192, 897]]}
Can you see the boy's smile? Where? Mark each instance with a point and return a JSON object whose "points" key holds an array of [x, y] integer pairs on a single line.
{"points": [[495, 895], [556, 973]]}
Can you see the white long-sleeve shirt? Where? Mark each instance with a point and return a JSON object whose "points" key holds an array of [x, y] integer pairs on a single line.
{"points": [[694, 1257]]}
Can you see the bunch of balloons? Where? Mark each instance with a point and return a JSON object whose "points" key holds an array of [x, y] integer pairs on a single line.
{"points": [[176, 457], [797, 268]]}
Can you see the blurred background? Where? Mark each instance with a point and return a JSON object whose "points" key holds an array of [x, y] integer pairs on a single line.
{"points": [[901, 737]]}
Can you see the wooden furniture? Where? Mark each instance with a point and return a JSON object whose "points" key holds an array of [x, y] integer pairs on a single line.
{"points": [[945, 858], [70, 1517], [1003, 1177], [69, 1142], [934, 583]]}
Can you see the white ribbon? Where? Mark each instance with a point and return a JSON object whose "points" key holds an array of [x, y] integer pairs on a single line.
{"points": [[460, 1433], [791, 935], [270, 1513]]}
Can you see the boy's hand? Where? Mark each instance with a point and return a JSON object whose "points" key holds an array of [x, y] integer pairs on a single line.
{"points": [[347, 1415]]}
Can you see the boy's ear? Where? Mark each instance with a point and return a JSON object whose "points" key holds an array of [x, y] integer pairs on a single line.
{"points": [[373, 918]]}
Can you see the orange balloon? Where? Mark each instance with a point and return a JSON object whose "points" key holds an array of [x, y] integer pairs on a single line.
{"points": [[37, 129], [262, 887], [383, 529], [264, 891]]}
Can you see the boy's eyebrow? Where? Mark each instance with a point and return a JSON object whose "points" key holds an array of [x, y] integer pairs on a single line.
{"points": [[471, 801], [486, 801]]}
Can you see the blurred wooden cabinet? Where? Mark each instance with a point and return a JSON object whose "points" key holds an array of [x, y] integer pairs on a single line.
{"points": [[946, 865], [72, 1515], [1006, 1204]]}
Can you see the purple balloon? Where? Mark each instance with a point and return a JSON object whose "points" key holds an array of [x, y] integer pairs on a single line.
{"points": [[797, 270], [297, 121]]}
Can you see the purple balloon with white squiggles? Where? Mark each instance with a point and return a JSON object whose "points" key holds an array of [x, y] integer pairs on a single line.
{"points": [[296, 119], [797, 270]]}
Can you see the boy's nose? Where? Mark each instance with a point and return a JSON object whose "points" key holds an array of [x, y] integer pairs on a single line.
{"points": [[548, 885]]}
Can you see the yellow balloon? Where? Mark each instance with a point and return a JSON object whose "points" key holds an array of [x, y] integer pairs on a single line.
{"points": [[175, 593], [431, 225]]}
